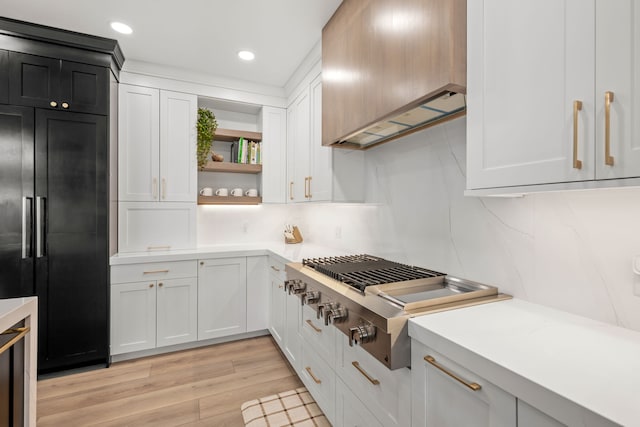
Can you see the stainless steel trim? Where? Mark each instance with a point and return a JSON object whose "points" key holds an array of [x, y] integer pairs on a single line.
{"points": [[39, 252], [24, 227]]}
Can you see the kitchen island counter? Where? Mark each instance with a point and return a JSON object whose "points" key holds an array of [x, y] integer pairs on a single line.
{"points": [[542, 355]]}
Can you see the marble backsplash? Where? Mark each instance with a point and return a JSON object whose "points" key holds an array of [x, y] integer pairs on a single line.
{"points": [[568, 250]]}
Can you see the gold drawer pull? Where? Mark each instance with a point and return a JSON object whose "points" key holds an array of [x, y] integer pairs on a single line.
{"points": [[608, 99], [21, 333], [291, 190], [155, 248], [308, 369], [315, 328], [472, 386], [363, 372], [275, 268], [155, 271], [577, 106]]}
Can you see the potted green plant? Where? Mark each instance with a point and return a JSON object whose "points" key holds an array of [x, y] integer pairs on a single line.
{"points": [[206, 126]]}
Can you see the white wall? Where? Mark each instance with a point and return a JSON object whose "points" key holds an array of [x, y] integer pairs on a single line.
{"points": [[569, 250]]}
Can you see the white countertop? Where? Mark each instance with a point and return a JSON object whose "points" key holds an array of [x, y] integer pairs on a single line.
{"points": [[12, 310], [593, 364], [287, 252]]}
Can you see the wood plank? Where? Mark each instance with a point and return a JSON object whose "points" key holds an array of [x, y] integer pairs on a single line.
{"points": [[230, 135], [172, 415], [228, 419], [229, 167], [229, 200]]}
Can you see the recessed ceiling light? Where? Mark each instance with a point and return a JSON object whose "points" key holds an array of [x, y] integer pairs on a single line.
{"points": [[121, 28], [246, 55]]}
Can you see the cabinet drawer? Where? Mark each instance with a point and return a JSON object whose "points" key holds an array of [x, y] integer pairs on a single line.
{"points": [[153, 271], [277, 267], [319, 379], [388, 392], [321, 338]]}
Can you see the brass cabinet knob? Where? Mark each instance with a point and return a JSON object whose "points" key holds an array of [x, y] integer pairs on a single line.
{"points": [[65, 105], [151, 285], [201, 262], [54, 104], [160, 284]]}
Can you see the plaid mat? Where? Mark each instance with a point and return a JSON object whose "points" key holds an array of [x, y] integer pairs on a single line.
{"points": [[290, 408]]}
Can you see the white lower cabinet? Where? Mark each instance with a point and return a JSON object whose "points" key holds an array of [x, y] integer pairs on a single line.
{"points": [[447, 395], [319, 378], [292, 339], [222, 297], [323, 337], [257, 293], [277, 296], [528, 416], [386, 393], [152, 305], [350, 411]]}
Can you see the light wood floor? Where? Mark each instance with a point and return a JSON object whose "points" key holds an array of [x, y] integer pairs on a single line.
{"points": [[200, 387]]}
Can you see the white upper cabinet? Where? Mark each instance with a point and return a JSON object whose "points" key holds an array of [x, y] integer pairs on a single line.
{"points": [[617, 73], [309, 164], [552, 103], [528, 61], [157, 145], [274, 154]]}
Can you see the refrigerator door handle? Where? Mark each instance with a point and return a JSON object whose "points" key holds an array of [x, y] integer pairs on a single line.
{"points": [[40, 220]]}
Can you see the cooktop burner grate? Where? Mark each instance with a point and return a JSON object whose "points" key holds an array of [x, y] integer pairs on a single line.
{"points": [[360, 271]]}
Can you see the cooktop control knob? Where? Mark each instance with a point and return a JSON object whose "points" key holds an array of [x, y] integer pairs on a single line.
{"points": [[295, 286], [337, 314], [361, 334], [310, 297], [324, 307]]}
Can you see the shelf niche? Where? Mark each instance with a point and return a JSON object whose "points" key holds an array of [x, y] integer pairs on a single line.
{"points": [[229, 200]]}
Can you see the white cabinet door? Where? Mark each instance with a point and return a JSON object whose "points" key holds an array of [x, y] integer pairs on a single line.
{"points": [[292, 338], [222, 297], [322, 337], [618, 72], [277, 297], [439, 400], [178, 162], [177, 305], [320, 162], [133, 316], [388, 391], [528, 416], [156, 226], [257, 293], [350, 411], [274, 154], [523, 79], [319, 379], [298, 148], [138, 150]]}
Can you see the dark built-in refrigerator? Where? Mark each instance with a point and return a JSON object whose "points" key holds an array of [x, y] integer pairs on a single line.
{"points": [[54, 192]]}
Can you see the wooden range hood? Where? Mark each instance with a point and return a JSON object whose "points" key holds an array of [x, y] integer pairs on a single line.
{"points": [[391, 67]]}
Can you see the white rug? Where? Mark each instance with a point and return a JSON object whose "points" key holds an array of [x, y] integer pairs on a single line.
{"points": [[290, 408]]}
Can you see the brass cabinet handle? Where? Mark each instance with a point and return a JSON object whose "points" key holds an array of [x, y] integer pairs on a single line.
{"points": [[291, 190], [154, 188], [366, 375], [54, 104], [306, 180], [314, 327], [309, 181], [608, 99], [155, 271], [577, 106], [432, 361], [275, 268], [164, 188], [308, 369], [21, 333], [280, 286], [65, 105]]}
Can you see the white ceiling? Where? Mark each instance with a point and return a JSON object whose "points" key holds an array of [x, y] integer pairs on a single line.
{"points": [[198, 35]]}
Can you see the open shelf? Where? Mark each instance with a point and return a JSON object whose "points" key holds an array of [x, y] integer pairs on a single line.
{"points": [[230, 135], [229, 200], [231, 167]]}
